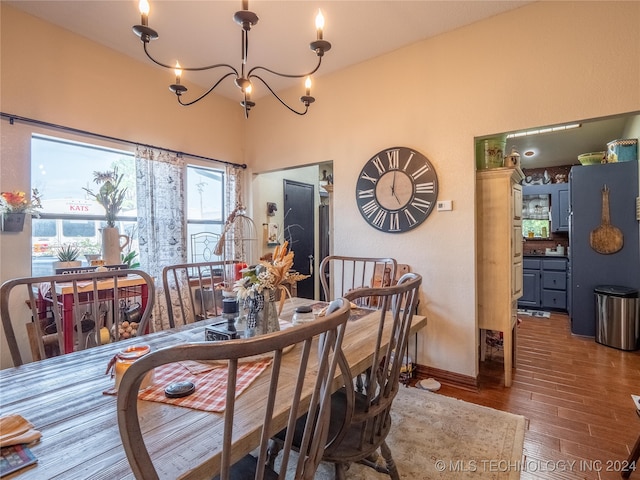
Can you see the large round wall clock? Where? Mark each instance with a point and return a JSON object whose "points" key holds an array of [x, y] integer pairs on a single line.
{"points": [[396, 190]]}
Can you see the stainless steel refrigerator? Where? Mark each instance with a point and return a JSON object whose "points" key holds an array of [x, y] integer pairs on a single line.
{"points": [[587, 267]]}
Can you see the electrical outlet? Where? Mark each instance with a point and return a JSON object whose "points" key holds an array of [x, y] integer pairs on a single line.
{"points": [[444, 205]]}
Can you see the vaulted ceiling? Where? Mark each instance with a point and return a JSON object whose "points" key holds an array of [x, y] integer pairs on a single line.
{"points": [[203, 33]]}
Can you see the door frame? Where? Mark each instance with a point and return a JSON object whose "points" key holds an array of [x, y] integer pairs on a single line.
{"points": [[266, 187]]}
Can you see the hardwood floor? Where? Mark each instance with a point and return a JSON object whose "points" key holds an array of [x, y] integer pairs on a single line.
{"points": [[575, 395]]}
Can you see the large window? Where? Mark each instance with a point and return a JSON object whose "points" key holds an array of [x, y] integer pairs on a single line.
{"points": [[205, 212], [59, 170]]}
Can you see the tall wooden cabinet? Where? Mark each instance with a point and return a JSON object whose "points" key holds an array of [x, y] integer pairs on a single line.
{"points": [[499, 256]]}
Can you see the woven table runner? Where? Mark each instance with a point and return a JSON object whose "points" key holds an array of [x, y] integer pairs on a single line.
{"points": [[210, 381]]}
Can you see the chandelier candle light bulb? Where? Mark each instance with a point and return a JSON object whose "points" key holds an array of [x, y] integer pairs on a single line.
{"points": [[178, 72], [319, 24], [144, 12]]}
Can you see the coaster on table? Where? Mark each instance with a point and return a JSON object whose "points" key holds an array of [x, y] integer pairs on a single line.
{"points": [[179, 389]]}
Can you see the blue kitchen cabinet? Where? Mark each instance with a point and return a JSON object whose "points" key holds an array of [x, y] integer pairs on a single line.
{"points": [[530, 283], [560, 207], [544, 282], [554, 283], [559, 200]]}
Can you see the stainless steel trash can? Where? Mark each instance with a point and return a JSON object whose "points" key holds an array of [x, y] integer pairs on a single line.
{"points": [[617, 317]]}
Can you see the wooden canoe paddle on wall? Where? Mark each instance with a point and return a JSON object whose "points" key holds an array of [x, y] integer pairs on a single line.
{"points": [[606, 239]]}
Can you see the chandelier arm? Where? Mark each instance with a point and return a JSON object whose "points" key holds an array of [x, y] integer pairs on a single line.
{"points": [[190, 69], [279, 99], [286, 75], [186, 104]]}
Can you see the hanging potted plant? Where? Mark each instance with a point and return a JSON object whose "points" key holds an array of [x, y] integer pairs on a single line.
{"points": [[111, 195], [15, 206]]}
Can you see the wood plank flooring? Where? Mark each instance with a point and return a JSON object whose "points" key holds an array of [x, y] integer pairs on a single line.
{"points": [[575, 395]]}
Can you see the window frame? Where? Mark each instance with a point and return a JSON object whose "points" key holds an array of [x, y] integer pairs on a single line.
{"points": [[218, 224]]}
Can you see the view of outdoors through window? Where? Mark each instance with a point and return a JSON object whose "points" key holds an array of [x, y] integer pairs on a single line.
{"points": [[70, 216], [61, 169], [206, 216], [536, 228]]}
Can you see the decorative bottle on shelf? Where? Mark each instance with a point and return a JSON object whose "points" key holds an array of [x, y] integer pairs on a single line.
{"points": [[513, 159]]}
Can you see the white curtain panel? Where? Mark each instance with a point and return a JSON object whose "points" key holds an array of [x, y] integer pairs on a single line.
{"points": [[162, 219], [162, 231]]}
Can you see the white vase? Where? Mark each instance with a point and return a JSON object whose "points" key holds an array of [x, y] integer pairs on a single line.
{"points": [[112, 245]]}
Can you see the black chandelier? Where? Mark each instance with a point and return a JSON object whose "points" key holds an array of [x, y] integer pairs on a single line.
{"points": [[246, 19]]}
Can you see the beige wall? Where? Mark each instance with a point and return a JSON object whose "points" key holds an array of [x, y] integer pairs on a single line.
{"points": [[530, 67], [52, 75]]}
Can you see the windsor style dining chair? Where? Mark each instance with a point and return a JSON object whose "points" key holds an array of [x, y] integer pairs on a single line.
{"points": [[192, 291], [313, 377], [64, 313], [341, 274], [360, 419]]}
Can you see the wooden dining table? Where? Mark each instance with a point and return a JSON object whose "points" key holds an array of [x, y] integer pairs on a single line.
{"points": [[63, 397]]}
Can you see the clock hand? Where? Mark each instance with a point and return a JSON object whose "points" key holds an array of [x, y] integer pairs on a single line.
{"points": [[393, 188]]}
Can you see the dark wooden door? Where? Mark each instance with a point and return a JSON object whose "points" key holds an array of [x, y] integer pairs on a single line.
{"points": [[299, 231]]}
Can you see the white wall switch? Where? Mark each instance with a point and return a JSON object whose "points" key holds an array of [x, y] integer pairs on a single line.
{"points": [[444, 205]]}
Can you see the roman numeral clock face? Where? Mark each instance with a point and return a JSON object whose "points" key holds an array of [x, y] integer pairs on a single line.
{"points": [[397, 190]]}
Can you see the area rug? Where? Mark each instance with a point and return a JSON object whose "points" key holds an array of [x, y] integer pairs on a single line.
{"points": [[438, 437]]}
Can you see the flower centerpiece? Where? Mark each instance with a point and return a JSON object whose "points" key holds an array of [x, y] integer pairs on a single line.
{"points": [[15, 205], [264, 284]]}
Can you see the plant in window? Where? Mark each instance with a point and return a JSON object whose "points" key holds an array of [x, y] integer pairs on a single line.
{"points": [[110, 195], [68, 253], [129, 259], [18, 202]]}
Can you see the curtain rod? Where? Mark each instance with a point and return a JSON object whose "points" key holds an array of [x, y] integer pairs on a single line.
{"points": [[12, 118]]}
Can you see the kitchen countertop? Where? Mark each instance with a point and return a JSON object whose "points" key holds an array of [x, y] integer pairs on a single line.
{"points": [[538, 255]]}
